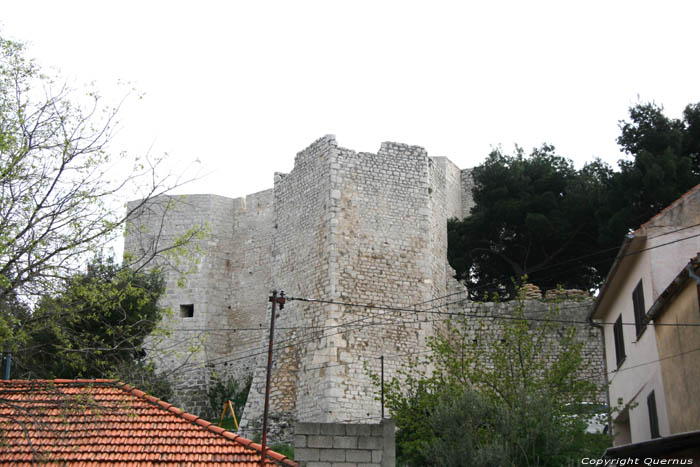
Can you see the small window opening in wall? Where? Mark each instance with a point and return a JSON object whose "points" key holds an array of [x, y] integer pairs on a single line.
{"points": [[639, 309], [653, 416], [619, 341], [187, 311]]}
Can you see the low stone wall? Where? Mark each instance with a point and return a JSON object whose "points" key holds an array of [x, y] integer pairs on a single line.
{"points": [[345, 445]]}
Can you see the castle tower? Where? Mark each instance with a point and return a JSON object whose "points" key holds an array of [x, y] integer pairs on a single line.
{"points": [[345, 227], [354, 228]]}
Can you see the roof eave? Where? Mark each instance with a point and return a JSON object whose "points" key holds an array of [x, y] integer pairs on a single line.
{"points": [[659, 305]]}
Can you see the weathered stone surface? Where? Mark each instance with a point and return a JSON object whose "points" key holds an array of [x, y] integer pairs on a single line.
{"points": [[343, 227]]}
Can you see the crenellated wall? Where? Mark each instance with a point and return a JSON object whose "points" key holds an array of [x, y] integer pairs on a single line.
{"points": [[343, 227]]}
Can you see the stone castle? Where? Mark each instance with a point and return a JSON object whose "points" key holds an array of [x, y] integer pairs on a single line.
{"points": [[343, 226]]}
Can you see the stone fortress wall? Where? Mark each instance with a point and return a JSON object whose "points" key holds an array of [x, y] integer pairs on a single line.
{"points": [[342, 226]]}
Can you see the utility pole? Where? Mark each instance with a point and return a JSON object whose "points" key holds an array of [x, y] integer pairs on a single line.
{"points": [[275, 300], [382, 360], [8, 364]]}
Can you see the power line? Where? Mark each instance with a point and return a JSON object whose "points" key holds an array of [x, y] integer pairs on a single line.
{"points": [[472, 315], [413, 309], [497, 282], [625, 368]]}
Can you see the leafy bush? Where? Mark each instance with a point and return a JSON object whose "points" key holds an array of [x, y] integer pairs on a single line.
{"points": [[230, 389], [502, 392]]}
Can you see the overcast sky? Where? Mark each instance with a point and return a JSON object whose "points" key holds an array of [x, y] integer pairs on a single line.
{"points": [[243, 86]]}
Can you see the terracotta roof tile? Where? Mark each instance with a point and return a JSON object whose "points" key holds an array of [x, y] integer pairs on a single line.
{"points": [[93, 422]]}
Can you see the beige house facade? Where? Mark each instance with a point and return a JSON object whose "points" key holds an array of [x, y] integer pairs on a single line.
{"points": [[676, 315], [647, 262]]}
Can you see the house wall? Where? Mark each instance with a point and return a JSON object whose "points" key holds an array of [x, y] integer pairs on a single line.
{"points": [[678, 354], [671, 240], [661, 248], [639, 373]]}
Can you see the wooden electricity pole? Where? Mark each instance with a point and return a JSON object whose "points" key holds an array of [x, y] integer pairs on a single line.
{"points": [[275, 300]]}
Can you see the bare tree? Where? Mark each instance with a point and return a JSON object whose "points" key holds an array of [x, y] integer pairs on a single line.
{"points": [[57, 178]]}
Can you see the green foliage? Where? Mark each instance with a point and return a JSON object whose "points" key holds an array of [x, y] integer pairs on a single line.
{"points": [[502, 392], [533, 215], [471, 430], [538, 215], [222, 390], [13, 315], [284, 449], [94, 325], [664, 165], [143, 375]]}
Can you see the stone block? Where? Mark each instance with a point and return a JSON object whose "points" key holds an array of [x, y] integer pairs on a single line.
{"points": [[302, 428], [377, 457], [367, 442], [319, 464], [345, 442], [358, 455], [319, 441], [358, 430], [332, 429], [299, 441], [306, 454], [377, 430], [333, 455]]}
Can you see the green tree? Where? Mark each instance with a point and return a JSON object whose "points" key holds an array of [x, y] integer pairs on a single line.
{"points": [[60, 201], [539, 216], [533, 215], [231, 389], [502, 391], [95, 327], [664, 164]]}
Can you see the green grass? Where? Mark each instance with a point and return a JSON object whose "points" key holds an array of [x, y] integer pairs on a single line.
{"points": [[284, 449]]}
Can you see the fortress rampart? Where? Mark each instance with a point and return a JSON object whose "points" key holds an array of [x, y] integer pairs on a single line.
{"points": [[342, 226]]}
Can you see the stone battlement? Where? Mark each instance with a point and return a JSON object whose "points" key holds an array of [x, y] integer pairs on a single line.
{"points": [[342, 226]]}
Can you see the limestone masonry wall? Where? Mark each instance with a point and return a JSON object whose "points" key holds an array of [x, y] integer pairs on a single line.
{"points": [[344, 227]]}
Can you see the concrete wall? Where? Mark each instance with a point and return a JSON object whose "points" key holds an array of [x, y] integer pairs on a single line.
{"points": [[345, 445]]}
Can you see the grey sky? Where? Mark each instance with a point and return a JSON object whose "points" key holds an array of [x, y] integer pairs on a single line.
{"points": [[243, 86]]}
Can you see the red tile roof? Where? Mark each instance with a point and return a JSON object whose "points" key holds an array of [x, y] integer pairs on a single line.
{"points": [[91, 422]]}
